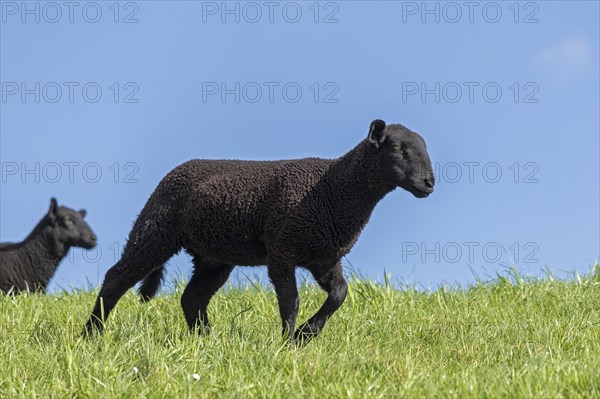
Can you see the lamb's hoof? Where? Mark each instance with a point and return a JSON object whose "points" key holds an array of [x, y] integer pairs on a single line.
{"points": [[200, 330], [92, 329], [304, 335]]}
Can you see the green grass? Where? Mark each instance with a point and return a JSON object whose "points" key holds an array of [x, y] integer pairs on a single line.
{"points": [[513, 337]]}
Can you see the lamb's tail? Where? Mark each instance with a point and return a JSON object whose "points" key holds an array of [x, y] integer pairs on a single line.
{"points": [[151, 283]]}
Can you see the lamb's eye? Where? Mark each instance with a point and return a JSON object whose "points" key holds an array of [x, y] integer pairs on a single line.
{"points": [[401, 147], [67, 220]]}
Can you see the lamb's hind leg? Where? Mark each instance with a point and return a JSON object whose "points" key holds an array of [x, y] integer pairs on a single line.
{"points": [[332, 281], [206, 280], [140, 258]]}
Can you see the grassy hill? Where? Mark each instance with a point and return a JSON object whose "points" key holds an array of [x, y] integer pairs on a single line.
{"points": [[512, 337]]}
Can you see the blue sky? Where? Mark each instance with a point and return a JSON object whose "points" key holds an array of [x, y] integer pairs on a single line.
{"points": [[507, 98]]}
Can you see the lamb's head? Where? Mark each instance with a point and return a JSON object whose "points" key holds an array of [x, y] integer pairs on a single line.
{"points": [[403, 156], [68, 226]]}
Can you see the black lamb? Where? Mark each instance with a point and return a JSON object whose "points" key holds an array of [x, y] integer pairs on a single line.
{"points": [[29, 265], [283, 214]]}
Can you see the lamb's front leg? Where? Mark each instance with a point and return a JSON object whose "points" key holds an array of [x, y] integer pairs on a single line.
{"points": [[283, 278], [332, 281]]}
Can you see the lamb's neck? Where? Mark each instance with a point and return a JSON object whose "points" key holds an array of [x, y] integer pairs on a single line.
{"points": [[358, 184], [43, 252]]}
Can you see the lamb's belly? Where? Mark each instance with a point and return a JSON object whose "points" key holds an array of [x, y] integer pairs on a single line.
{"points": [[234, 247], [241, 253]]}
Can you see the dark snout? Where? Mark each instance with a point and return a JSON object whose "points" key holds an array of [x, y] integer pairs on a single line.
{"points": [[428, 184], [423, 188], [88, 242]]}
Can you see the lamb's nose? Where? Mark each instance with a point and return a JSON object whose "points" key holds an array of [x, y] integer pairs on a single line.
{"points": [[93, 237], [428, 183]]}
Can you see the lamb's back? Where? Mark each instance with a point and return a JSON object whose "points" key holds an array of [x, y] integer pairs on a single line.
{"points": [[248, 184]]}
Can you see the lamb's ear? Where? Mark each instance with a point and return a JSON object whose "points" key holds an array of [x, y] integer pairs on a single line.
{"points": [[377, 133], [82, 212], [52, 210]]}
